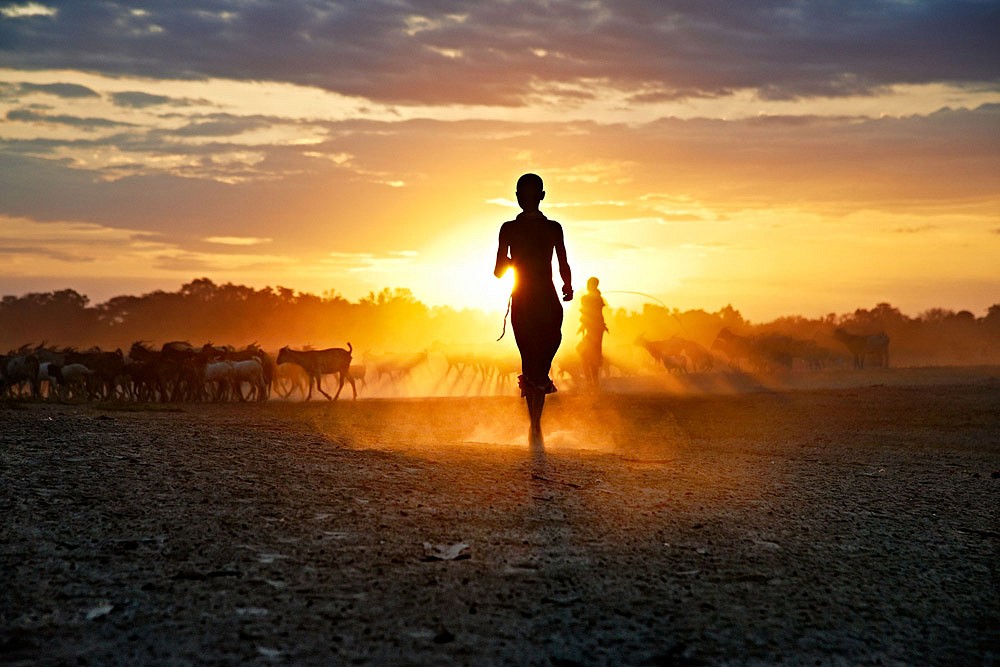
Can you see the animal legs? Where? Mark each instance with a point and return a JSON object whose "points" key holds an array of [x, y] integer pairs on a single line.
{"points": [[319, 385]]}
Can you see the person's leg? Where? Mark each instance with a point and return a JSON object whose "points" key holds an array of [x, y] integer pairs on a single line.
{"points": [[537, 330], [590, 356], [536, 403], [543, 353], [525, 334], [533, 388], [532, 336]]}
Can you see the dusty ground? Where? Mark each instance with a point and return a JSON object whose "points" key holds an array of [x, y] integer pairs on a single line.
{"points": [[853, 524]]}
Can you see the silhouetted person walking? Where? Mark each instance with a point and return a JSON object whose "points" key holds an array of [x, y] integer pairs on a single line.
{"points": [[527, 244], [592, 327]]}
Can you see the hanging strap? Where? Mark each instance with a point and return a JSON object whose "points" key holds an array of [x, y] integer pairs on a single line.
{"points": [[509, 299]]}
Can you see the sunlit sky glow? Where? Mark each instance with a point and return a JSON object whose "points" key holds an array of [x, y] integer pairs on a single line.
{"points": [[785, 157]]}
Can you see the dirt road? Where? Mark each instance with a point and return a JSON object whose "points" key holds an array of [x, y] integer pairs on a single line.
{"points": [[838, 526]]}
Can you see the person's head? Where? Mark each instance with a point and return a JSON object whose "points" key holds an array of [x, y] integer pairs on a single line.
{"points": [[530, 192], [592, 284]]}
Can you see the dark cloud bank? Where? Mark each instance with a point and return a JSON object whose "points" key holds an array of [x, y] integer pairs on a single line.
{"points": [[437, 52]]}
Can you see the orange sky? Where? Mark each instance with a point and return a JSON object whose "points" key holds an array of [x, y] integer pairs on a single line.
{"points": [[839, 184]]}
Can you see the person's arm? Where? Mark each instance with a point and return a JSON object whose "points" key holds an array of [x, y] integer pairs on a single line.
{"points": [[564, 271], [503, 255]]}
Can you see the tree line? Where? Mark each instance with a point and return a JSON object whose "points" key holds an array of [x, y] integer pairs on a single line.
{"points": [[394, 319]]}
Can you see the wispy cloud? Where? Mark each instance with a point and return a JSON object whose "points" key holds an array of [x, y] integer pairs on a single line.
{"points": [[31, 116], [27, 10], [915, 229], [64, 90], [388, 262], [685, 168], [136, 99], [223, 125], [237, 240], [184, 263], [44, 253]]}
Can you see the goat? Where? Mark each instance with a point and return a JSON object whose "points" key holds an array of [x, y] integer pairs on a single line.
{"points": [[734, 346], [229, 376], [874, 347], [289, 377], [108, 369], [701, 359], [220, 374], [210, 352], [398, 366], [45, 354], [46, 379], [16, 369], [144, 377], [358, 372], [158, 374], [675, 363], [180, 348], [73, 379], [255, 353], [318, 363], [666, 352], [250, 371]]}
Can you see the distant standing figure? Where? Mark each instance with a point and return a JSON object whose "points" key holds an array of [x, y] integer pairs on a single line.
{"points": [[527, 244], [593, 328]]}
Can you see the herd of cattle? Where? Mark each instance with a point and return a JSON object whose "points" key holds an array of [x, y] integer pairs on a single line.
{"points": [[176, 372], [180, 372]]}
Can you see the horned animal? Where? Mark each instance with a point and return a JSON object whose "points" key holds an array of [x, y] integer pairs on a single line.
{"points": [[318, 363], [659, 350], [735, 347], [16, 369], [73, 379], [675, 363], [874, 347]]}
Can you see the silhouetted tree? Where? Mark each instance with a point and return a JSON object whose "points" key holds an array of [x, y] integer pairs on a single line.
{"points": [[393, 319]]}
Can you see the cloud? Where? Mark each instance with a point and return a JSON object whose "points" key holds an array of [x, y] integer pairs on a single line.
{"points": [[915, 229], [183, 262], [236, 240], [30, 248], [29, 116], [681, 172], [197, 262], [389, 261], [150, 239], [42, 252], [65, 90], [223, 125], [489, 53], [134, 99], [27, 10]]}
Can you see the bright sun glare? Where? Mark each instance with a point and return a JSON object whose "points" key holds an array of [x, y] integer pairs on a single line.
{"points": [[478, 288], [460, 270]]}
